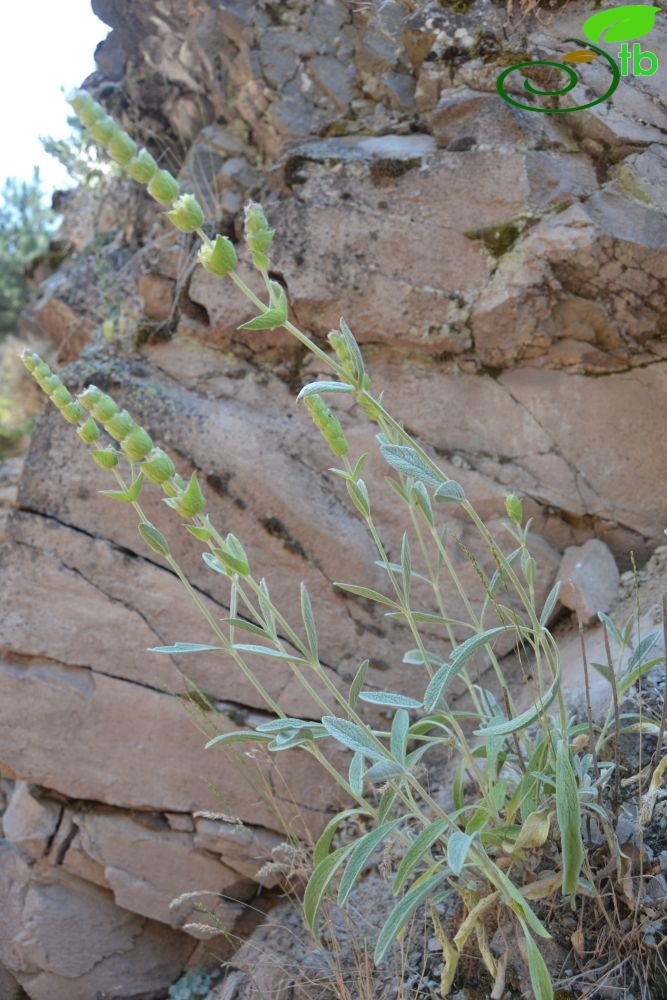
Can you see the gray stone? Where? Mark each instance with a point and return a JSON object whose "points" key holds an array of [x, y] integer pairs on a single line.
{"points": [[64, 939], [29, 821], [589, 579]]}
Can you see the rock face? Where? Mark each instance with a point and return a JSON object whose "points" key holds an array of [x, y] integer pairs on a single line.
{"points": [[506, 275]]}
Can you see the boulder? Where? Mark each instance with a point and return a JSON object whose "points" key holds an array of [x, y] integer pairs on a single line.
{"points": [[588, 578]]}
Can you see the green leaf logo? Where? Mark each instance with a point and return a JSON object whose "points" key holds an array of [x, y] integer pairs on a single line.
{"points": [[620, 24]]}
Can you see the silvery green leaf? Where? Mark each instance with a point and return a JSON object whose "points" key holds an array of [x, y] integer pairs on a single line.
{"points": [[351, 736], [540, 979], [214, 563], [527, 718], [276, 654], [280, 725], [318, 885], [399, 735], [356, 773], [418, 850], [458, 846], [470, 646], [410, 463], [266, 607], [611, 628], [406, 564], [403, 910], [154, 538], [314, 388], [568, 815], [353, 346], [420, 494], [308, 620], [363, 849], [357, 683], [384, 770], [183, 647], [550, 603], [389, 699], [242, 736], [436, 687], [371, 595], [451, 491], [246, 626], [642, 649], [416, 657]]}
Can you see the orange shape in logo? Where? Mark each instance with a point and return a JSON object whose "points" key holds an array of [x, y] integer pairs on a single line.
{"points": [[580, 56]]}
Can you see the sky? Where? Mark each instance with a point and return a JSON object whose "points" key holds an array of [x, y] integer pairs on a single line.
{"points": [[47, 50]]}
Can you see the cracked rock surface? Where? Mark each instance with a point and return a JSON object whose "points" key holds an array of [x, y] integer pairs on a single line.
{"points": [[506, 275]]}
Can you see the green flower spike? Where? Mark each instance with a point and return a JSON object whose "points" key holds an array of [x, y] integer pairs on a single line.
{"points": [[83, 105], [514, 508], [186, 214], [120, 425], [73, 412], [257, 234], [142, 167], [190, 502], [106, 458], [327, 424], [90, 396], [121, 148], [31, 360], [61, 396], [218, 257], [89, 432], [102, 130], [137, 444], [163, 187], [104, 408], [158, 467]]}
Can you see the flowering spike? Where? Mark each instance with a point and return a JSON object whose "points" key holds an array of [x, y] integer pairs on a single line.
{"points": [[89, 397], [142, 167], [89, 431], [186, 214], [73, 412], [137, 444], [61, 396], [190, 501], [104, 408], [120, 425], [327, 424], [163, 187], [121, 147], [218, 257], [158, 467], [106, 458], [102, 130]]}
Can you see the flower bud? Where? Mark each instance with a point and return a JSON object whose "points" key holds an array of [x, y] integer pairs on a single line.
{"points": [[137, 444], [158, 467], [254, 219], [31, 360], [41, 370], [90, 396], [163, 187], [104, 408], [120, 425], [89, 431], [73, 412], [327, 424], [154, 538], [106, 458], [186, 214], [191, 501], [49, 383], [61, 396], [261, 242], [85, 107], [102, 130], [514, 508], [121, 148], [218, 257], [142, 167]]}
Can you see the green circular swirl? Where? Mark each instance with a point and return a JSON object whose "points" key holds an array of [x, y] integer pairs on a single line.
{"points": [[574, 80]]}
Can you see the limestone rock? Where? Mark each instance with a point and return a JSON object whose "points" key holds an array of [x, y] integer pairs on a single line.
{"points": [[589, 579], [30, 822], [65, 939]]}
